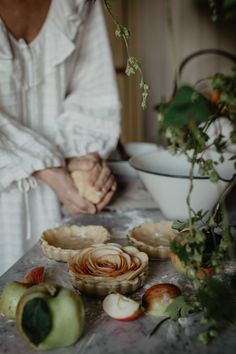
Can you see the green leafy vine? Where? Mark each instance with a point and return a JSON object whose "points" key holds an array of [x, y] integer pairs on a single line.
{"points": [[222, 9], [204, 240], [133, 66]]}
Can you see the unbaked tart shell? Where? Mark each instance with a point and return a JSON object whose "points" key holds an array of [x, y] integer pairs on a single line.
{"points": [[106, 268], [63, 242], [153, 238]]}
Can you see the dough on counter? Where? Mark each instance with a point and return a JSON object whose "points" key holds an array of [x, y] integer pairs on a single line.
{"points": [[80, 179]]}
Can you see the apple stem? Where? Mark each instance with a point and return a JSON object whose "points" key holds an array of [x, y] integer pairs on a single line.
{"points": [[161, 321], [52, 289]]}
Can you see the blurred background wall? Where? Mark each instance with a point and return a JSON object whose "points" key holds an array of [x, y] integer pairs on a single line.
{"points": [[150, 43]]}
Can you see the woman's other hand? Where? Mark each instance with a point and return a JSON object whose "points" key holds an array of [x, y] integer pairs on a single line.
{"points": [[58, 178], [101, 177]]}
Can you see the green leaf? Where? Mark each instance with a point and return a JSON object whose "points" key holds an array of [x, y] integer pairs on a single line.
{"points": [[218, 301], [214, 176], [179, 225], [122, 31], [36, 320], [185, 310], [228, 99], [107, 5], [233, 281], [180, 251], [233, 137], [186, 106], [178, 308], [229, 8], [204, 338]]}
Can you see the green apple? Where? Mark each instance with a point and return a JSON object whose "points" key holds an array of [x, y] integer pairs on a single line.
{"points": [[10, 297], [50, 316], [13, 291]]}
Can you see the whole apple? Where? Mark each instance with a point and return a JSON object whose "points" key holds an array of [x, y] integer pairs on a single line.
{"points": [[10, 297], [13, 291], [50, 316]]}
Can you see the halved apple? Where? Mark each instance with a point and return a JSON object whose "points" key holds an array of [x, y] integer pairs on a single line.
{"points": [[158, 297], [121, 307]]}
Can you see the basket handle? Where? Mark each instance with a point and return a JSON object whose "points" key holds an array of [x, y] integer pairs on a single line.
{"points": [[198, 53]]}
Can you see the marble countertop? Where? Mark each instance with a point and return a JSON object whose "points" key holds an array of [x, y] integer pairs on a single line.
{"points": [[131, 207]]}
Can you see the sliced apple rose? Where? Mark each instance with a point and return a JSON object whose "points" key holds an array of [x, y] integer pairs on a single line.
{"points": [[100, 269]]}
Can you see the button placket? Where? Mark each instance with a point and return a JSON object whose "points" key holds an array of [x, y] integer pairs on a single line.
{"points": [[27, 61], [26, 64]]}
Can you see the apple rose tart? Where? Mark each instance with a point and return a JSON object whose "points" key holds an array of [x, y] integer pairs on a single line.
{"points": [[105, 268], [63, 242]]}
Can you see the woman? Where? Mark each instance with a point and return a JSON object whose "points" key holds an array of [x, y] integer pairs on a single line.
{"points": [[58, 105]]}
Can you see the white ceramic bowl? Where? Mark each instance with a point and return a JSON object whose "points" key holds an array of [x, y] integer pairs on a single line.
{"points": [[121, 168], [167, 179], [137, 148]]}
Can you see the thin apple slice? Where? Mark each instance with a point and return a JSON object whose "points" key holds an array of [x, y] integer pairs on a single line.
{"points": [[121, 307]]}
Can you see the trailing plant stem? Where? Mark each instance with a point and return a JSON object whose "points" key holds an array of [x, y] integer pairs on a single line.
{"points": [[133, 66], [188, 200]]}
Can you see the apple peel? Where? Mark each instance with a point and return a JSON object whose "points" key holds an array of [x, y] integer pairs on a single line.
{"points": [[34, 276]]}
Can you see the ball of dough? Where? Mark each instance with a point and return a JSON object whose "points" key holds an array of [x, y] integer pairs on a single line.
{"points": [[81, 181]]}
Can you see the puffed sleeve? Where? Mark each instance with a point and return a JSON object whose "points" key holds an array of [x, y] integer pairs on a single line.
{"points": [[22, 152], [90, 120]]}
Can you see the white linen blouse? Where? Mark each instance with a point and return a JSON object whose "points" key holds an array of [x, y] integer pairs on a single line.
{"points": [[58, 98]]}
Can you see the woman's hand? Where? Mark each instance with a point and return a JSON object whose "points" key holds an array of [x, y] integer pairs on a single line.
{"points": [[101, 177], [60, 181]]}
